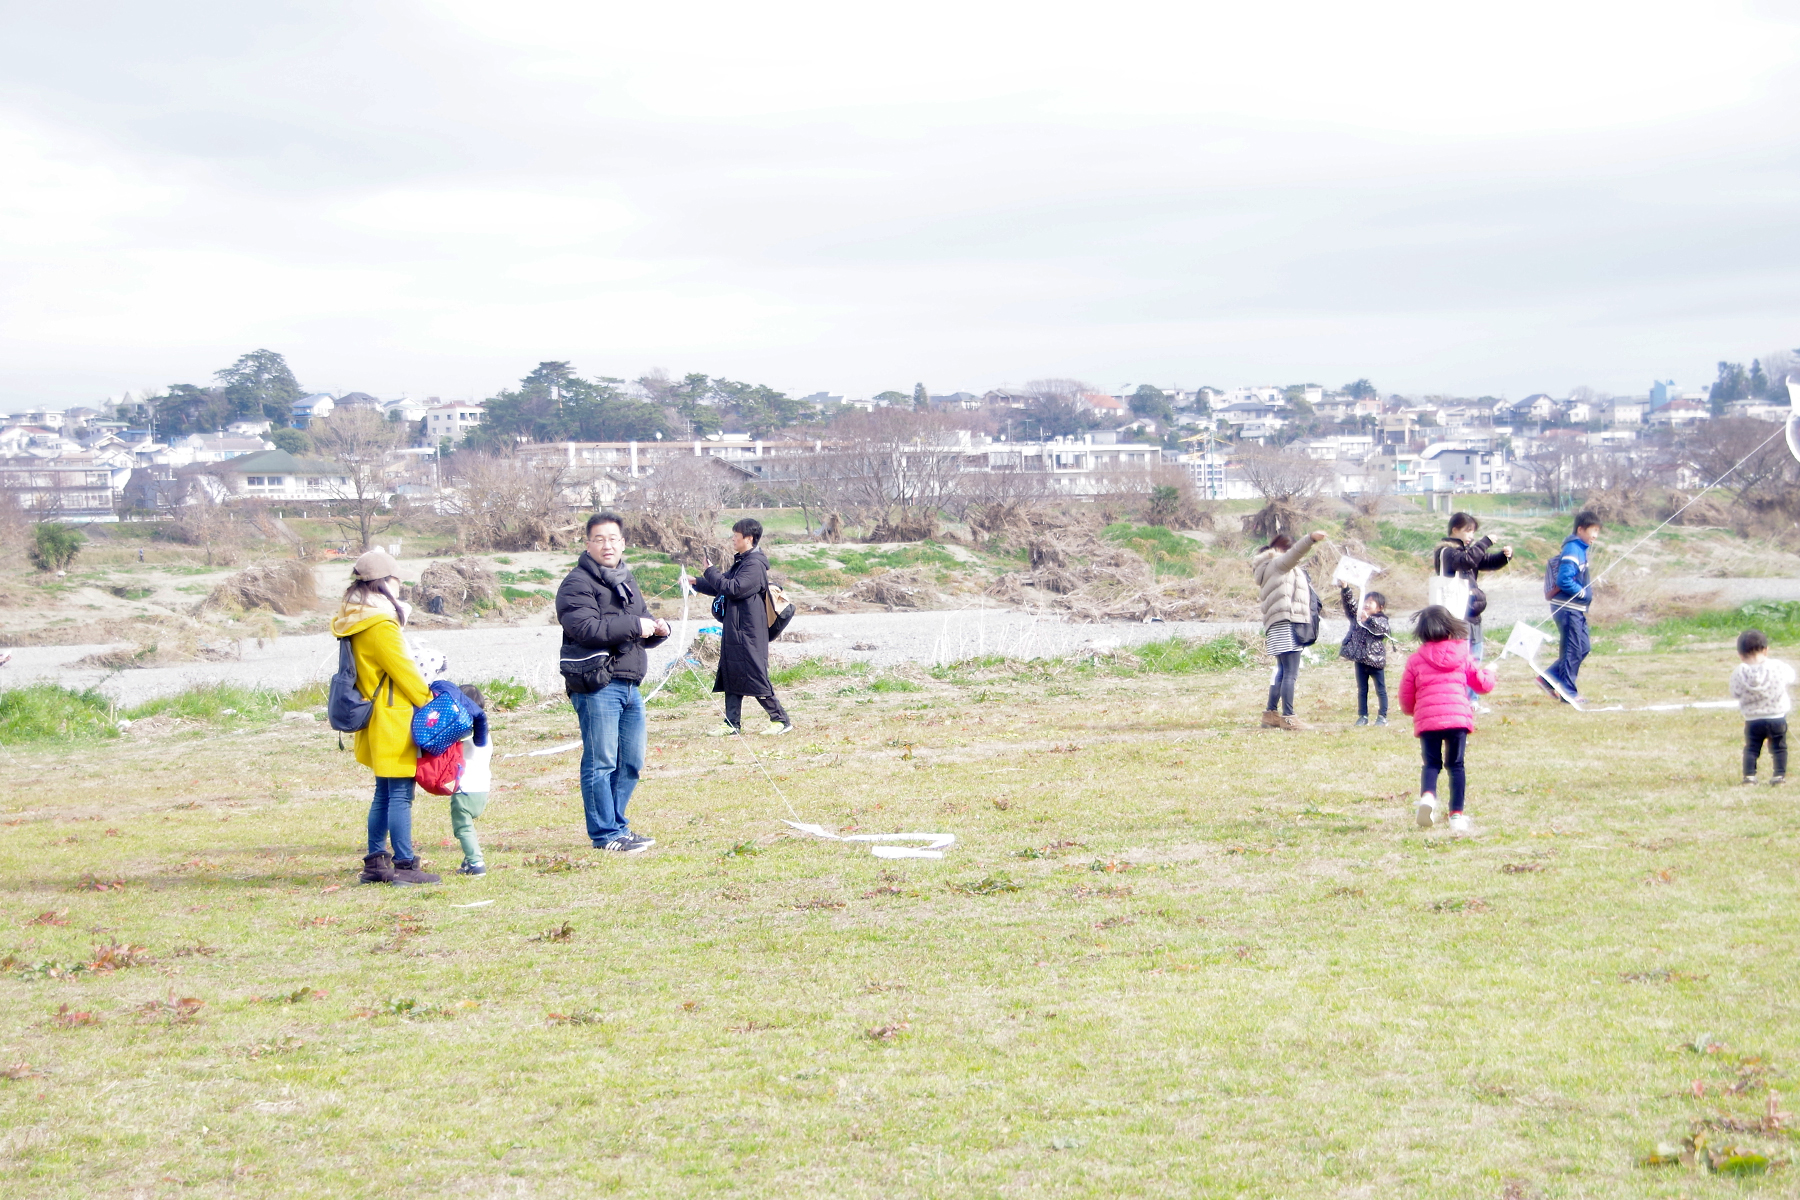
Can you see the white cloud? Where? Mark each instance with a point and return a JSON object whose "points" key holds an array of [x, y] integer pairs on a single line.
{"points": [[435, 198]]}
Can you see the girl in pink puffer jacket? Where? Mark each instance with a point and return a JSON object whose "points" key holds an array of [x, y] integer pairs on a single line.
{"points": [[1435, 691]]}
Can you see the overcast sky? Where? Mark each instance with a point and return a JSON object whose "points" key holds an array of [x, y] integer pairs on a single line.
{"points": [[432, 197]]}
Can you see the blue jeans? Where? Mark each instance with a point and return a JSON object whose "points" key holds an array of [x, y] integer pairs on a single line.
{"points": [[612, 756], [390, 816], [1572, 625]]}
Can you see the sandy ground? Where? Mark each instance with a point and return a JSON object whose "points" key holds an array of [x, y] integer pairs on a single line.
{"points": [[528, 652]]}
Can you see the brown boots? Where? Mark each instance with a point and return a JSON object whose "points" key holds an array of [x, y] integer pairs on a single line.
{"points": [[407, 871], [384, 868]]}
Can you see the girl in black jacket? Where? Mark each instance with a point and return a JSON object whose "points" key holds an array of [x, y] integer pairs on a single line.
{"points": [[1366, 646]]}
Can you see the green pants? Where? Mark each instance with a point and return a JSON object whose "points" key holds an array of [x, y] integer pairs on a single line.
{"points": [[464, 808]]}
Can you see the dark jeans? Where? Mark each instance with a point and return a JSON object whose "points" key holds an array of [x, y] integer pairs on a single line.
{"points": [[612, 756], [734, 710], [1364, 677], [1287, 668], [1775, 733], [1572, 626], [390, 817], [1444, 748]]}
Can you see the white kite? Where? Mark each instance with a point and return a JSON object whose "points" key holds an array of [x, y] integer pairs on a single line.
{"points": [[1523, 643]]}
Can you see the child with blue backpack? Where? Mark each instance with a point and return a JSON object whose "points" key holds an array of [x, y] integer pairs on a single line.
{"points": [[456, 755]]}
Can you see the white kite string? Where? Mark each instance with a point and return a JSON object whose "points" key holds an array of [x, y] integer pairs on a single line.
{"points": [[1780, 430]]}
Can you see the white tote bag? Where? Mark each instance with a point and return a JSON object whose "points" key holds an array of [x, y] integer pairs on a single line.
{"points": [[1451, 592]]}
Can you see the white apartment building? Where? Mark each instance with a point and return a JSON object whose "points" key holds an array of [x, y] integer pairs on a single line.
{"points": [[453, 421]]}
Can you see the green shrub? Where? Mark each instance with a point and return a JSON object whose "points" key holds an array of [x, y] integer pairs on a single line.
{"points": [[42, 712], [503, 695], [813, 668], [1184, 656], [217, 704], [54, 546], [1167, 552], [1779, 619], [1408, 541], [893, 683]]}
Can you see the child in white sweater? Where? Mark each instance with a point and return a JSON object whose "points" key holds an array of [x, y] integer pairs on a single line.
{"points": [[471, 796], [1760, 686]]}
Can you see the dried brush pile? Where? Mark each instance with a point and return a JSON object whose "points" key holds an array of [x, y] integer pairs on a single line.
{"points": [[452, 588], [285, 587], [1091, 580]]}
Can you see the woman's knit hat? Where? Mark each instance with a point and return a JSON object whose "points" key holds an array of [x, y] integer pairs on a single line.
{"points": [[375, 565]]}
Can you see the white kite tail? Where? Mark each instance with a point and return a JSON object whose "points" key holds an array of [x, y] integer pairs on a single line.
{"points": [[935, 843]]}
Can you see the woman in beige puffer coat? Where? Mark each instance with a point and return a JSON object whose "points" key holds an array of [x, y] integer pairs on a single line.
{"points": [[1286, 596]]}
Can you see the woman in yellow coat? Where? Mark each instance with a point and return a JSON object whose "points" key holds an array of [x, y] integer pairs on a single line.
{"points": [[372, 617]]}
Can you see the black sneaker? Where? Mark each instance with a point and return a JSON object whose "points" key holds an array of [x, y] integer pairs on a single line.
{"points": [[642, 840], [1362, 720], [469, 868], [625, 843]]}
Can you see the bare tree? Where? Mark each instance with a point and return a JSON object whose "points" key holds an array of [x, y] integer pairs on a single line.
{"points": [[506, 502], [201, 518], [357, 440], [692, 487], [1763, 466], [1282, 475], [897, 471], [1549, 468]]}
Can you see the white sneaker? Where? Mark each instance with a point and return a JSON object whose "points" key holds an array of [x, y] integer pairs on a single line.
{"points": [[723, 729], [777, 728], [1425, 811], [1459, 823], [1483, 709]]}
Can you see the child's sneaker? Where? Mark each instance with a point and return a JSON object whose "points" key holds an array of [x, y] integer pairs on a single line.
{"points": [[1362, 720], [1778, 781], [1459, 823], [469, 868], [724, 729], [1381, 720], [777, 728], [1425, 811], [1749, 781]]}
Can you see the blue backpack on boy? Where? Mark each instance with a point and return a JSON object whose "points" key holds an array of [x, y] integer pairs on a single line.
{"points": [[445, 721]]}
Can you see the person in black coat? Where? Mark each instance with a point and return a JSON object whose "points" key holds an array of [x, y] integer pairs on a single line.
{"points": [[744, 654], [1464, 556]]}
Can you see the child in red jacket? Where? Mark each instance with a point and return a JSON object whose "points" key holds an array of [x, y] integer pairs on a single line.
{"points": [[1435, 692]]}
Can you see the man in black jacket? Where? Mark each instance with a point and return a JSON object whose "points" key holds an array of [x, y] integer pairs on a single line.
{"points": [[1464, 556], [744, 644], [605, 632]]}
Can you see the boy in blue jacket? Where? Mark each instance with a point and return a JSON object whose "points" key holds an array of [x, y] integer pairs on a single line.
{"points": [[1569, 606]]}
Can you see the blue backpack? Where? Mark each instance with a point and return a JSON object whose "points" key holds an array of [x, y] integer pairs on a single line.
{"points": [[443, 722], [345, 707]]}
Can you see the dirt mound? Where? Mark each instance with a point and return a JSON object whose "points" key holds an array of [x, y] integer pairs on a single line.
{"points": [[1030, 525], [284, 587], [464, 585], [1707, 510], [908, 589], [1112, 584]]}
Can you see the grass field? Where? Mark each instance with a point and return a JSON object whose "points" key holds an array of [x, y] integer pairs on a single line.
{"points": [[1170, 954]]}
